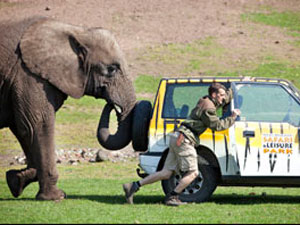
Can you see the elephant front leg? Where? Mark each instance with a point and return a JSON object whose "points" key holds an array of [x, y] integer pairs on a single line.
{"points": [[46, 164], [49, 190], [47, 177]]}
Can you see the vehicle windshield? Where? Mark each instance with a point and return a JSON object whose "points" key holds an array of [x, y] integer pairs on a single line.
{"points": [[267, 103], [181, 98]]}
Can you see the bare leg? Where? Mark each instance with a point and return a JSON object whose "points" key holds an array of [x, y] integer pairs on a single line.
{"points": [[133, 187], [160, 175], [172, 198], [186, 181]]}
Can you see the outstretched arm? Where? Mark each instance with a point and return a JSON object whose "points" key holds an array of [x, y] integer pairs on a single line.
{"points": [[212, 121]]}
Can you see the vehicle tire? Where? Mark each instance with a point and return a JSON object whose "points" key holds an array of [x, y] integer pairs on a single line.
{"points": [[201, 189], [140, 125]]}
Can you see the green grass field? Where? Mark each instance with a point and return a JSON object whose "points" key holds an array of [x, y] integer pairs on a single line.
{"points": [[95, 195], [94, 190]]}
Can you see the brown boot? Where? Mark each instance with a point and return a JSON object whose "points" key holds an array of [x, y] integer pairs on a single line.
{"points": [[173, 200], [129, 190]]}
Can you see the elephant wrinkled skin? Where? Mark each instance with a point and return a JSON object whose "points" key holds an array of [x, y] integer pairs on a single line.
{"points": [[42, 62]]}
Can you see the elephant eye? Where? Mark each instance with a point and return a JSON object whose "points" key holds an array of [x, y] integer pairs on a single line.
{"points": [[112, 69]]}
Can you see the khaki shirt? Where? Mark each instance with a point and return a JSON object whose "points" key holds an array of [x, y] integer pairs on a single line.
{"points": [[204, 116]]}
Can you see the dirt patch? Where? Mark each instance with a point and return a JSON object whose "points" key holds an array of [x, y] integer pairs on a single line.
{"points": [[140, 25]]}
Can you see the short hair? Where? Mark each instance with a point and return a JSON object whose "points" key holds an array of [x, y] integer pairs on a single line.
{"points": [[214, 88]]}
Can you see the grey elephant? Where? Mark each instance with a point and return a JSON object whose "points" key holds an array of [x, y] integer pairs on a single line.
{"points": [[42, 62]]}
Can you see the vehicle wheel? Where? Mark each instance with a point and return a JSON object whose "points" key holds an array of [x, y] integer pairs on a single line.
{"points": [[140, 125], [201, 188]]}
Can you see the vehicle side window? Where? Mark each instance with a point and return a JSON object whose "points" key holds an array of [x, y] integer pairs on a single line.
{"points": [[180, 99], [267, 103]]}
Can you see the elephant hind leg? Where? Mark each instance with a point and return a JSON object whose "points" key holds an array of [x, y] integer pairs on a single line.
{"points": [[13, 182], [17, 180]]}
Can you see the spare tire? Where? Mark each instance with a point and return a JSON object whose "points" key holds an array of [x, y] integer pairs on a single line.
{"points": [[140, 125]]}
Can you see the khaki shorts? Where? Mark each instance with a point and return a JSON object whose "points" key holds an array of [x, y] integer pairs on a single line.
{"points": [[181, 158]]}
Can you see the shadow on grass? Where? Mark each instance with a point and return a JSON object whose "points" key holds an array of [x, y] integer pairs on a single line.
{"points": [[17, 199], [120, 199], [109, 199], [218, 199], [235, 199], [229, 199]]}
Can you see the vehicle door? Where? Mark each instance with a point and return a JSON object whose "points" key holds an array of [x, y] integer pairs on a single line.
{"points": [[266, 135], [177, 101]]}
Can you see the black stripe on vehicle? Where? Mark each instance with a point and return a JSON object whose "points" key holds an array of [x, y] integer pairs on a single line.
{"points": [[258, 160], [165, 131], [157, 110], [174, 122], [298, 140], [271, 128], [226, 151], [272, 161], [156, 154], [288, 163], [237, 161], [260, 127], [214, 140], [247, 148]]}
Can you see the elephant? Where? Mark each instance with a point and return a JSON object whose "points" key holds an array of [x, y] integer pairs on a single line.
{"points": [[42, 62]]}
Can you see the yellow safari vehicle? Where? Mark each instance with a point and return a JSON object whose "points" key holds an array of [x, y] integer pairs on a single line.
{"points": [[260, 149]]}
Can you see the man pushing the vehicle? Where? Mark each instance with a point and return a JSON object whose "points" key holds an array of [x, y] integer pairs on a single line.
{"points": [[182, 156]]}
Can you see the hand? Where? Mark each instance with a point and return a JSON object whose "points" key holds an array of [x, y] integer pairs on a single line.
{"points": [[236, 113]]}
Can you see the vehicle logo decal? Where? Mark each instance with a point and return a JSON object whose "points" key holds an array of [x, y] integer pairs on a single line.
{"points": [[277, 143], [274, 144]]}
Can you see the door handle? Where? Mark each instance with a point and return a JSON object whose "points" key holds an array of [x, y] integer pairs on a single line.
{"points": [[249, 133]]}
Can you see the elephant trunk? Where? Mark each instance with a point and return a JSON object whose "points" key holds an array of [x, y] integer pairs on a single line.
{"points": [[123, 135]]}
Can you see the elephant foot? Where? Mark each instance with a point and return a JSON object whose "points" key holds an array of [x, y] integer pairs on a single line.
{"points": [[17, 180], [52, 194], [14, 182]]}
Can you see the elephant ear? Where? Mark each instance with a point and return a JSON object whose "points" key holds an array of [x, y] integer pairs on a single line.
{"points": [[50, 49]]}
